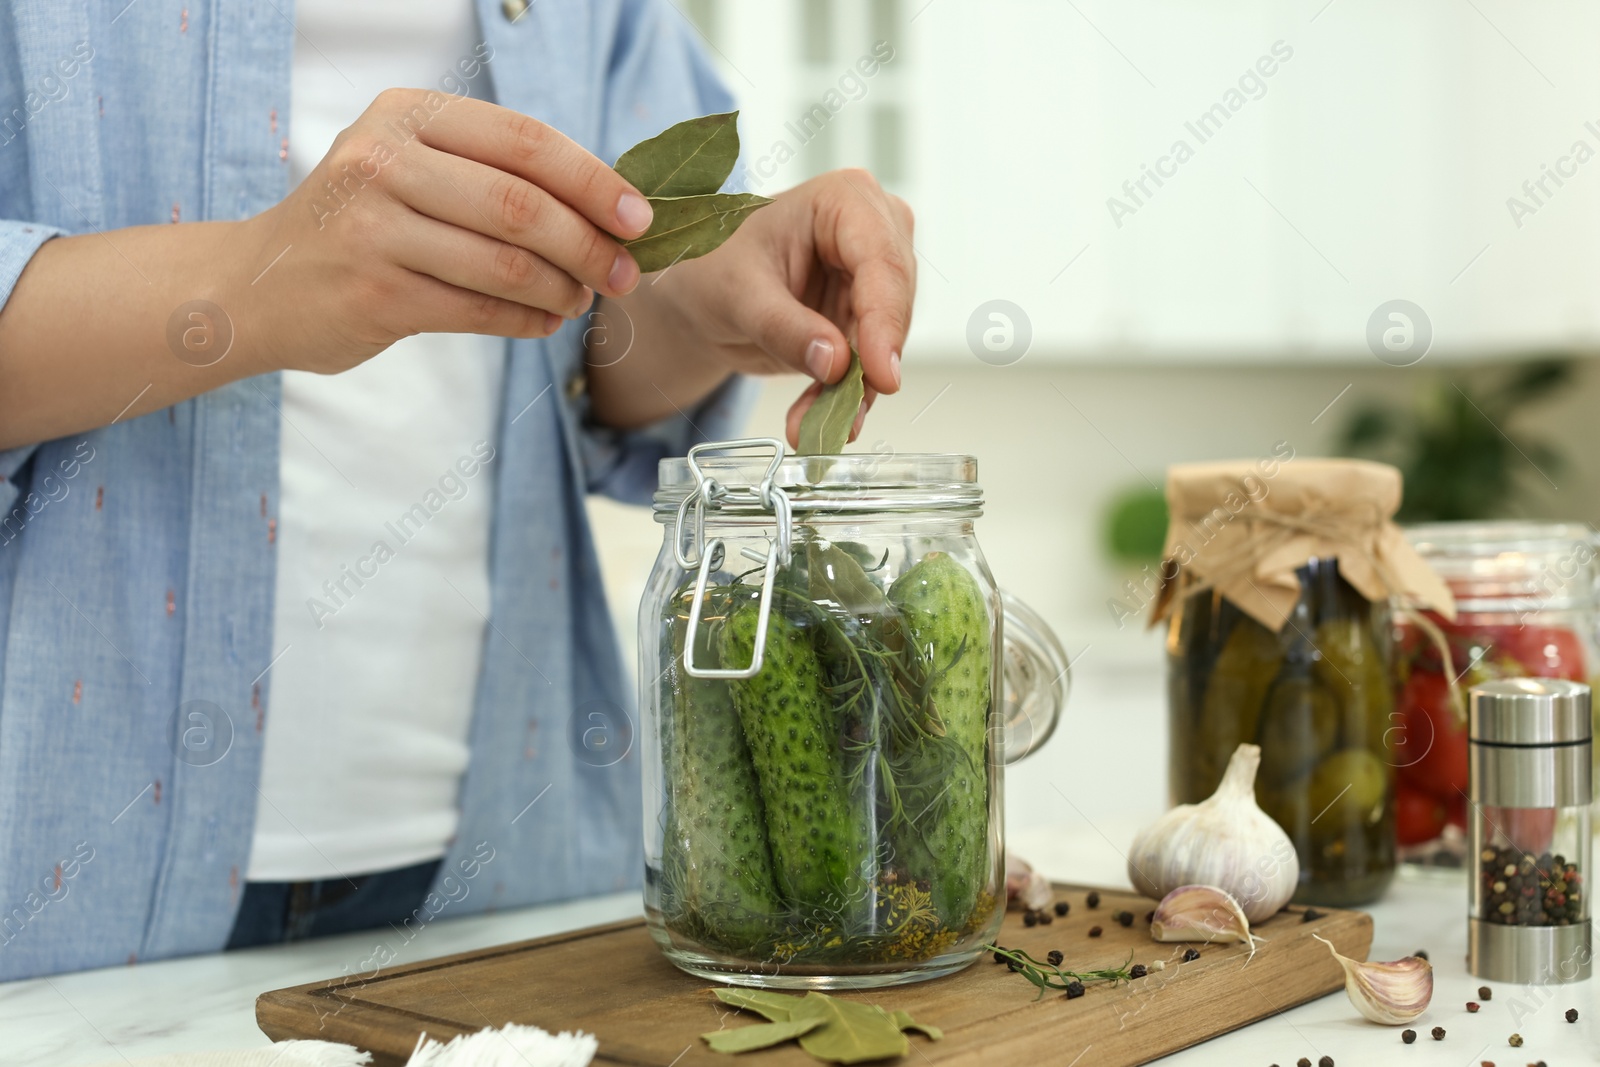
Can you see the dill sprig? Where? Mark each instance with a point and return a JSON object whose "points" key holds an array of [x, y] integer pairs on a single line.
{"points": [[1048, 976]]}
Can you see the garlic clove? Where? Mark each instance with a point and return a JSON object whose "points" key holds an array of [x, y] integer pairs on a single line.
{"points": [[1225, 841], [1026, 886], [1201, 913], [1387, 993]]}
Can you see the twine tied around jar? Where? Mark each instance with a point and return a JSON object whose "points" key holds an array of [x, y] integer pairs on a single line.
{"points": [[1244, 529]]}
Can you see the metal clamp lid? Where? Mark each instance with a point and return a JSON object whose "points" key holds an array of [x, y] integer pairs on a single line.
{"points": [[1530, 711], [708, 555]]}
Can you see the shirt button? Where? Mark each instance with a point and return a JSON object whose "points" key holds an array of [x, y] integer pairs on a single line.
{"points": [[514, 9]]}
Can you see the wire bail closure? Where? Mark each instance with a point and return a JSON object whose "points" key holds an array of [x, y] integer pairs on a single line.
{"points": [[705, 556]]}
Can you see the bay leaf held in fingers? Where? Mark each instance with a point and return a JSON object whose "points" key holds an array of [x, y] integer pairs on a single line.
{"points": [[759, 1036], [687, 227], [825, 427], [691, 158]]}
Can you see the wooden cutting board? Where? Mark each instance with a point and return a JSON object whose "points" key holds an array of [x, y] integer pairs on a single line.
{"points": [[613, 982]]}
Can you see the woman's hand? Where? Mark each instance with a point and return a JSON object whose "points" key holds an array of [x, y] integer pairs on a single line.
{"points": [[435, 213], [827, 262], [431, 213]]}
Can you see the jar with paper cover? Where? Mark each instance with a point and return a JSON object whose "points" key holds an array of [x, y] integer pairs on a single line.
{"points": [[1278, 585]]}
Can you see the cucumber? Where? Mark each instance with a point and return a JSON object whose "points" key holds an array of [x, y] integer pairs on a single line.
{"points": [[720, 866], [943, 784], [819, 842]]}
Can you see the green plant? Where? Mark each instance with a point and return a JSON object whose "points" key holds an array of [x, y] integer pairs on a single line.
{"points": [[1457, 448]]}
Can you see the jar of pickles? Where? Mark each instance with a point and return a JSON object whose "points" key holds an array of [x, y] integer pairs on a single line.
{"points": [[1277, 587], [830, 687], [1525, 596]]}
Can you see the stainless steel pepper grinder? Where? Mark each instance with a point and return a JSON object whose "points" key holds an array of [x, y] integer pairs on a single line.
{"points": [[1531, 783]]}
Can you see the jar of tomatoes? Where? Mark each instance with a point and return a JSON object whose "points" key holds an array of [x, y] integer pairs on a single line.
{"points": [[1525, 598]]}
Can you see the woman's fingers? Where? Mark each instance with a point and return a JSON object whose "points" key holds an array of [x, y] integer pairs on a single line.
{"points": [[487, 265], [511, 210], [510, 141], [870, 237], [437, 306]]}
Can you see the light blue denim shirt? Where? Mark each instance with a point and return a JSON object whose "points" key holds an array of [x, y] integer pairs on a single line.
{"points": [[136, 560]]}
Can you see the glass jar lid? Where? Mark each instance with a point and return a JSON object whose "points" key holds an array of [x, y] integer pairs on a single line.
{"points": [[854, 484], [1529, 711], [1511, 565]]}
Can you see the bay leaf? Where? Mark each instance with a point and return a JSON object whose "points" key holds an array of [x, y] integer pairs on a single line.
{"points": [[689, 159], [775, 1006], [825, 427], [687, 227], [836, 576], [904, 1021], [854, 1032], [760, 1035]]}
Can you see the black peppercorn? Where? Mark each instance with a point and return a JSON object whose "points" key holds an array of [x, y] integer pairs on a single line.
{"points": [[998, 958], [1123, 917], [1438, 1033], [1093, 899], [1472, 1005], [1095, 931], [1013, 965], [1326, 1061], [1303, 1061], [1045, 918], [1408, 1036], [1190, 955], [1138, 970], [1062, 907], [1055, 957], [1572, 1015], [1421, 953], [1485, 993], [1150, 916], [1311, 915], [1030, 918], [1074, 989]]}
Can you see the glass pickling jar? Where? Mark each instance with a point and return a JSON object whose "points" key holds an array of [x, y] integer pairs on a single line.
{"points": [[830, 686]]}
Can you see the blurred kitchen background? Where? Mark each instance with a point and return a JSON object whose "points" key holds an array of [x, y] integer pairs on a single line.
{"points": [[1152, 232]]}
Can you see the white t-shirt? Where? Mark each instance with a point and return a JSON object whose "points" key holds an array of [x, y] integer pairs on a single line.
{"points": [[385, 497]]}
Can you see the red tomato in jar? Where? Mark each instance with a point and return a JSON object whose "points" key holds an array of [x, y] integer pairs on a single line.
{"points": [[1458, 812], [1429, 747], [1418, 816], [1543, 651]]}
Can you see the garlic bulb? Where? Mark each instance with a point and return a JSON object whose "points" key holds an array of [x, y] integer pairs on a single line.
{"points": [[1201, 913], [1224, 841], [1387, 993]]}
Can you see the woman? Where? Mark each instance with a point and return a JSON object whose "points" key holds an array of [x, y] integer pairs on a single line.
{"points": [[303, 380]]}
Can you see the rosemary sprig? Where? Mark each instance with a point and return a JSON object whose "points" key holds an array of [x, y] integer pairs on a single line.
{"points": [[1048, 976]]}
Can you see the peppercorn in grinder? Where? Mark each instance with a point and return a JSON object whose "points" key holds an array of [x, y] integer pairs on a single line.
{"points": [[1530, 763]]}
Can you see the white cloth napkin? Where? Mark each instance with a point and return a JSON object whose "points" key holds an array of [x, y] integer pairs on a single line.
{"points": [[509, 1046]]}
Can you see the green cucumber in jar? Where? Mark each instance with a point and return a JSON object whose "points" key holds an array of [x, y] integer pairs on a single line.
{"points": [[816, 828], [718, 863], [943, 787]]}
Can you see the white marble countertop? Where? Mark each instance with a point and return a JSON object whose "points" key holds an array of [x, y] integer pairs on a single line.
{"points": [[208, 1003]]}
